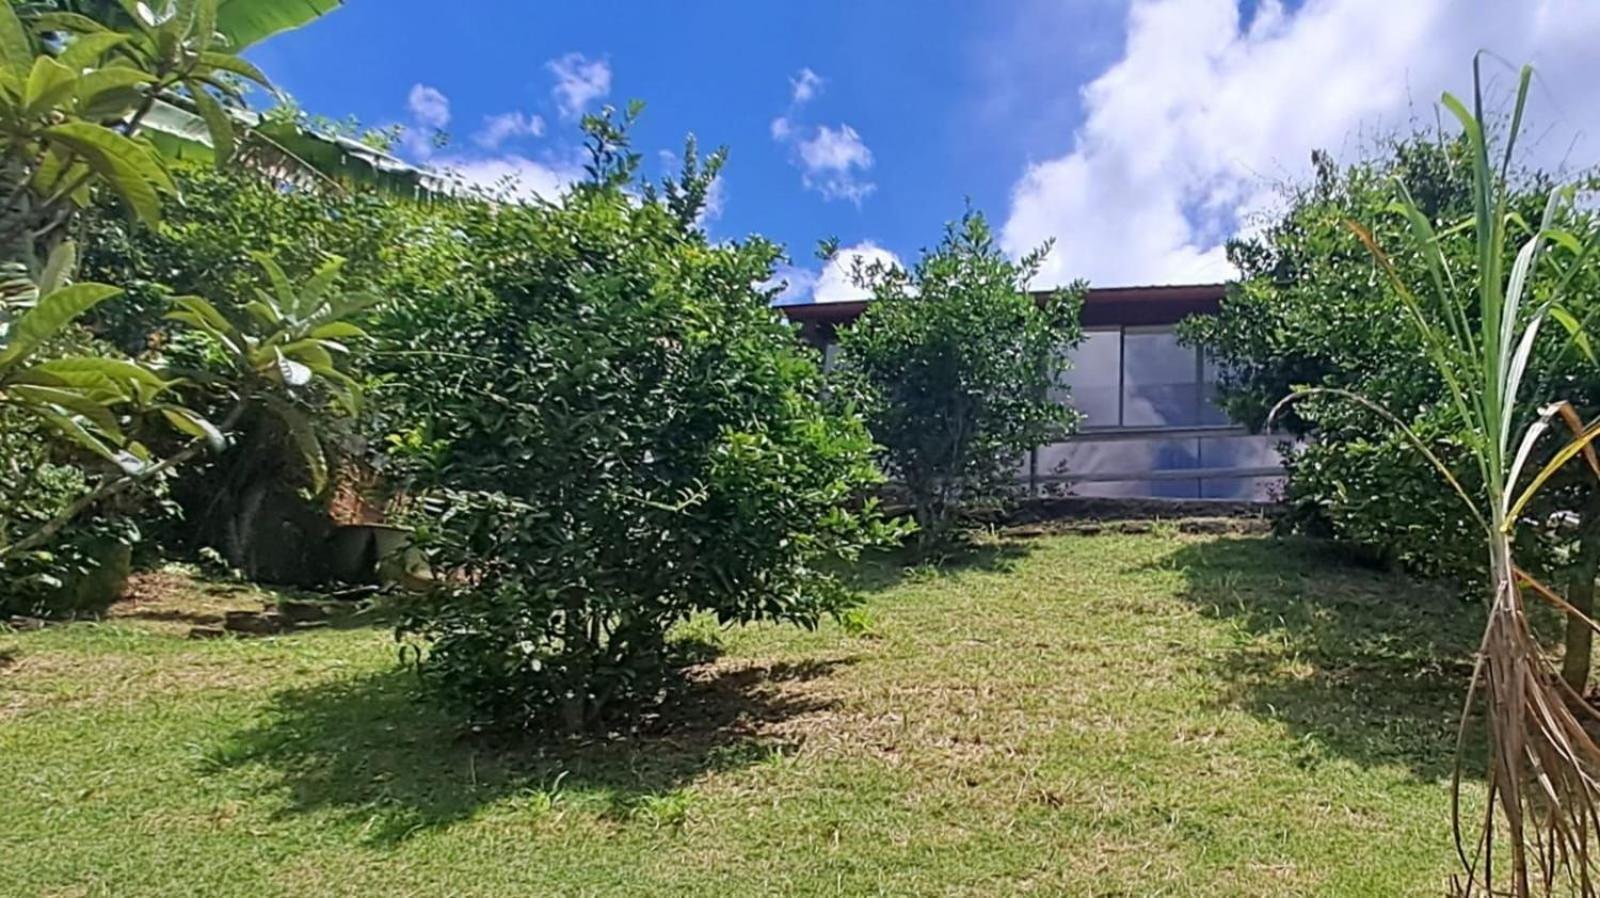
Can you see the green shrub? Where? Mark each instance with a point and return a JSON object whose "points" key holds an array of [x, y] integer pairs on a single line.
{"points": [[956, 363], [80, 572], [614, 433], [1311, 309]]}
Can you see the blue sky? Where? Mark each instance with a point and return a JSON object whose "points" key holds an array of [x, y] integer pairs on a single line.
{"points": [[1138, 135]]}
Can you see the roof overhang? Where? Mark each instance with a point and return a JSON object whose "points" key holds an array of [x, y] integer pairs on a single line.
{"points": [[1102, 307]]}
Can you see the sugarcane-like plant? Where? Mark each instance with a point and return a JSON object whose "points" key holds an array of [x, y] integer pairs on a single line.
{"points": [[1479, 331]]}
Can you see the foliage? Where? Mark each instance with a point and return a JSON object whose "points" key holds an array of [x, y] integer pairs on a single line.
{"points": [[34, 485], [1478, 334], [618, 434], [1311, 310], [238, 24], [75, 91], [79, 396], [288, 341], [208, 246], [211, 247], [76, 87], [958, 366]]}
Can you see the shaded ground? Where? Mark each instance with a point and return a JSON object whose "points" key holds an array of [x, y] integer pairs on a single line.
{"points": [[369, 750], [1127, 714], [1369, 665]]}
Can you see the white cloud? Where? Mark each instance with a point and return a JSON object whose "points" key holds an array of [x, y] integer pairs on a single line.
{"points": [[579, 82], [429, 106], [836, 282], [511, 178], [508, 177], [1187, 135], [796, 283], [430, 113], [804, 85], [834, 162], [497, 129]]}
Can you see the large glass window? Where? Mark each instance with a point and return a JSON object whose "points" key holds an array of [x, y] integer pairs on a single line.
{"points": [[1160, 380], [1211, 412], [1094, 380], [1141, 377]]}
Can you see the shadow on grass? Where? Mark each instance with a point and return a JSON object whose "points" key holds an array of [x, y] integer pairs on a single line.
{"points": [[1368, 665], [377, 753], [979, 553]]}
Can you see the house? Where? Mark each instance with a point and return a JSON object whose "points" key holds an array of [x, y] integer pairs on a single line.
{"points": [[1151, 428]]}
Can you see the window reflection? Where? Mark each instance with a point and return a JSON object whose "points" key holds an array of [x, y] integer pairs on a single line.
{"points": [[1094, 382], [1160, 380]]}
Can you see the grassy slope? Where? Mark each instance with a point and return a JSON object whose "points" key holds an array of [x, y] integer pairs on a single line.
{"points": [[1111, 715]]}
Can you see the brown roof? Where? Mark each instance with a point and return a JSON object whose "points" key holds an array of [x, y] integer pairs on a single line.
{"points": [[1102, 306]]}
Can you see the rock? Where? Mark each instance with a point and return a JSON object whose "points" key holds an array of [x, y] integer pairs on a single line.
{"points": [[256, 623], [302, 612]]}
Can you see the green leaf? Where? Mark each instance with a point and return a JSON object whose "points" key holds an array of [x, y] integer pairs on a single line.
{"points": [[16, 52], [205, 25], [186, 421], [49, 83], [218, 123], [304, 437], [63, 261], [111, 105], [71, 402], [339, 330], [205, 310], [140, 14], [348, 304], [69, 22], [75, 430], [85, 50], [265, 312], [53, 313], [311, 352], [345, 390], [238, 66], [247, 22], [198, 313], [125, 166], [95, 375], [281, 288], [317, 286], [1574, 330], [111, 92]]}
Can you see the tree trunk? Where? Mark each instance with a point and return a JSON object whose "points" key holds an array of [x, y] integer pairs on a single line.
{"points": [[242, 529], [1579, 638]]}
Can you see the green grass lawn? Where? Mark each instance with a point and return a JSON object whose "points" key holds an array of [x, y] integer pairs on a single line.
{"points": [[1074, 715]]}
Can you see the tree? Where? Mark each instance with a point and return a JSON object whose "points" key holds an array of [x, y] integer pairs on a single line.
{"points": [[77, 87], [263, 493], [611, 430], [1478, 325], [955, 363], [1309, 310]]}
